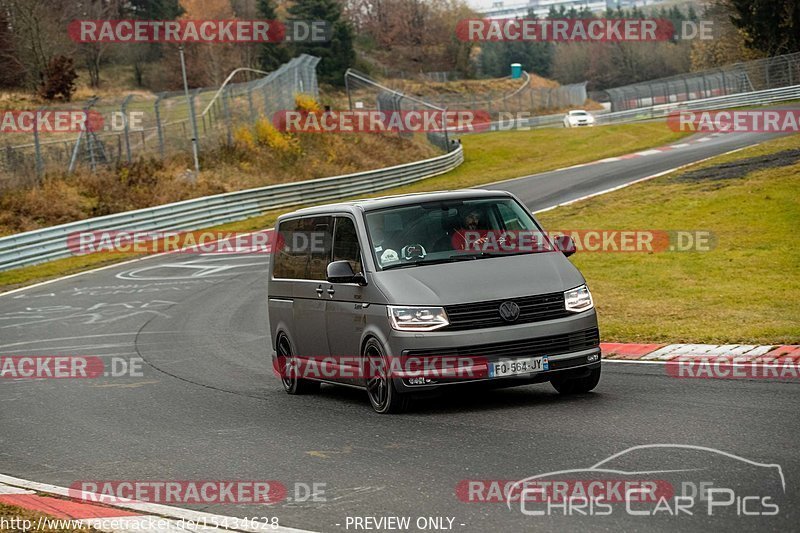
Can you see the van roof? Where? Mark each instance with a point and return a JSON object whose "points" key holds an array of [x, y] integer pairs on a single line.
{"points": [[369, 204]]}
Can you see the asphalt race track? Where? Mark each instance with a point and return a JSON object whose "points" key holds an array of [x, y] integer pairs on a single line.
{"points": [[208, 406]]}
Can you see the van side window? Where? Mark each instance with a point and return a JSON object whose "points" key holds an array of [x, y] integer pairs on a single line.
{"points": [[319, 233], [303, 248], [345, 243], [288, 262]]}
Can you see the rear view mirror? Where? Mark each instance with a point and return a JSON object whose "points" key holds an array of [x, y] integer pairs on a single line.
{"points": [[342, 272]]}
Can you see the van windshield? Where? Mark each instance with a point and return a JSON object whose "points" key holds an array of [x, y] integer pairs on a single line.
{"points": [[448, 231]]}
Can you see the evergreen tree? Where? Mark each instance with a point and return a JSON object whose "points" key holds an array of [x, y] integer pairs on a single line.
{"points": [[270, 55], [337, 55], [771, 26]]}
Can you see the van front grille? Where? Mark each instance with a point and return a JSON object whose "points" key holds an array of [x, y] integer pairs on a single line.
{"points": [[551, 345], [487, 314]]}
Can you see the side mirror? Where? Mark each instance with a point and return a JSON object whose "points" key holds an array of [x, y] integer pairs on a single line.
{"points": [[565, 244], [342, 272]]}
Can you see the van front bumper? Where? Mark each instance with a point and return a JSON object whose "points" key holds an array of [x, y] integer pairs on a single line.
{"points": [[570, 344]]}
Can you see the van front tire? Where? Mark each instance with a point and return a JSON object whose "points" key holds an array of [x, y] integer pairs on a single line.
{"points": [[577, 385], [378, 381]]}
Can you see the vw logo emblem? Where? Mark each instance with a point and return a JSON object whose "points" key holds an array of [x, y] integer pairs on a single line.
{"points": [[509, 311]]}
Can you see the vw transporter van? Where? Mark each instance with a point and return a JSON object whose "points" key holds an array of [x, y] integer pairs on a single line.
{"points": [[404, 296]]}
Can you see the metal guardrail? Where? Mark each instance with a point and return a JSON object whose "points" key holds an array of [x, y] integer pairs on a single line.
{"points": [[769, 96], [39, 246]]}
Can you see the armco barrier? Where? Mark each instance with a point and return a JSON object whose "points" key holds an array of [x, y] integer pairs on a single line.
{"points": [[767, 97], [46, 244]]}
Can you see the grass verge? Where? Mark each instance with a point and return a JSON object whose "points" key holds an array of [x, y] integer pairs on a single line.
{"points": [[744, 290]]}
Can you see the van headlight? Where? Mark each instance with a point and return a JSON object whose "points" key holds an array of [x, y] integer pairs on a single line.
{"points": [[578, 299], [406, 318]]}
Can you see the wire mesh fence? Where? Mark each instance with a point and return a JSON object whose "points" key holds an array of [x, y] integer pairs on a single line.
{"points": [[366, 93], [155, 125], [758, 75], [526, 98]]}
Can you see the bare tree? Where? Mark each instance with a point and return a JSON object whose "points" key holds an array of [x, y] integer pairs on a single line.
{"points": [[94, 54], [39, 30]]}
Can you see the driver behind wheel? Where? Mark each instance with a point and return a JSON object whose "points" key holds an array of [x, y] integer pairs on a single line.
{"points": [[471, 235]]}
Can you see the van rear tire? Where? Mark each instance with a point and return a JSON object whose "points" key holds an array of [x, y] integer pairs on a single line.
{"points": [[286, 363], [577, 385]]}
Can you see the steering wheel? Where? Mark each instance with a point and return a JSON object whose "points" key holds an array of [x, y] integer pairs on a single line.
{"points": [[413, 251]]}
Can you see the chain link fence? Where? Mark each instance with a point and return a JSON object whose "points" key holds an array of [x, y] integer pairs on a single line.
{"points": [[155, 125], [758, 75], [526, 99], [365, 93]]}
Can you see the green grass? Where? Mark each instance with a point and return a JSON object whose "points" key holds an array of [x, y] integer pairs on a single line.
{"points": [[745, 290]]}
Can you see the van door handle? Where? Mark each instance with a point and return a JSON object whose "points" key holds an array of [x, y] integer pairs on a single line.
{"points": [[319, 290], [331, 291]]}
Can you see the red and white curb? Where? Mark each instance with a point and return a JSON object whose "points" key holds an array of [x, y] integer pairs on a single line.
{"points": [[132, 515], [659, 150], [661, 353]]}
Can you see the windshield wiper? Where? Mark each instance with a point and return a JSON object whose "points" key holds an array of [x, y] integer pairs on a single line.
{"points": [[451, 259]]}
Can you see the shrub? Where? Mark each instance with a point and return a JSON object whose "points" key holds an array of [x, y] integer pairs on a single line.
{"points": [[59, 79], [304, 102], [283, 144], [243, 138]]}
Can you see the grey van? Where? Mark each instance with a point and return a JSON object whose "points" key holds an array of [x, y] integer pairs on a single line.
{"points": [[407, 295]]}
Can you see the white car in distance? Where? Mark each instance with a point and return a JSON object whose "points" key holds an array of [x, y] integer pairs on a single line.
{"points": [[578, 117]]}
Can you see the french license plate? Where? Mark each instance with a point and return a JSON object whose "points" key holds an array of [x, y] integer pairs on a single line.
{"points": [[513, 367]]}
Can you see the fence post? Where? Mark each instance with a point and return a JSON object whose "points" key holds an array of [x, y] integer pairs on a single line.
{"points": [[159, 129], [227, 113], [250, 102], [347, 89], [125, 127], [37, 147]]}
